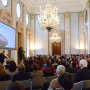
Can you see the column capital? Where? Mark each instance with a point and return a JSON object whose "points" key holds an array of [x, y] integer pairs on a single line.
{"points": [[88, 4]]}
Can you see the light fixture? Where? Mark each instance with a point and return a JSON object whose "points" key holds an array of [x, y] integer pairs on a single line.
{"points": [[55, 37], [48, 18]]}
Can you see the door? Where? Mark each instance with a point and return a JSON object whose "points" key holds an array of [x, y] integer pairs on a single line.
{"points": [[56, 48]]}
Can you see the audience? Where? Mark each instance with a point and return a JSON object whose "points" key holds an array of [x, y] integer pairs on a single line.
{"points": [[3, 73], [21, 75], [54, 83], [43, 66], [66, 81]]}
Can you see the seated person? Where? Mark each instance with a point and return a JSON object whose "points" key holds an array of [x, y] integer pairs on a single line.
{"points": [[55, 63], [15, 86], [21, 75], [12, 69], [72, 68], [3, 73], [54, 83], [37, 73], [48, 69], [66, 81], [84, 72]]}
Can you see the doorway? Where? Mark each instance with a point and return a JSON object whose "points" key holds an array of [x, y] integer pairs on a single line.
{"points": [[56, 48]]}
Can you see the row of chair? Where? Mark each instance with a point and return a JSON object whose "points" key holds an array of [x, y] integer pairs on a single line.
{"points": [[83, 85], [32, 84], [36, 84]]}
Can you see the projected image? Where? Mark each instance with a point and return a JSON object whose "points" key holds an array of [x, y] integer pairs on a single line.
{"points": [[7, 36], [3, 41]]}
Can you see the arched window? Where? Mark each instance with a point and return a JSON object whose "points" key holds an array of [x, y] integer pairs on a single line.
{"points": [[18, 10]]}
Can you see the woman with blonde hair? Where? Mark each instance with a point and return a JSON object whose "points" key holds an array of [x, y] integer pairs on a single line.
{"points": [[3, 73], [21, 75]]}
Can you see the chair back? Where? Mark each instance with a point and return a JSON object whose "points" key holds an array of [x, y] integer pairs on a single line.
{"points": [[86, 84], [78, 86], [73, 75], [59, 89], [26, 83], [49, 79], [38, 82], [4, 84]]}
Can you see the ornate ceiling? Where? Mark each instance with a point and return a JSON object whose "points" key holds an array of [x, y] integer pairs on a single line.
{"points": [[62, 5]]}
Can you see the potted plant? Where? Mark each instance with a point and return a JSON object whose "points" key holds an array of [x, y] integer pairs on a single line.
{"points": [[21, 54]]}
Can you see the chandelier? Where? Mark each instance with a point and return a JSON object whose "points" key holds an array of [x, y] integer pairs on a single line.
{"points": [[48, 18], [55, 37]]}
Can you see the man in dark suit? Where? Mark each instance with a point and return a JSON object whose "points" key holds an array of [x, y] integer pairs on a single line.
{"points": [[83, 73]]}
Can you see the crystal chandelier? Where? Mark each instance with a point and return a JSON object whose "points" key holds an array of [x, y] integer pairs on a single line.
{"points": [[55, 37], [48, 18]]}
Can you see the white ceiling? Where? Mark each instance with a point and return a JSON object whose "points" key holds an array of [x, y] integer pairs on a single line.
{"points": [[62, 5]]}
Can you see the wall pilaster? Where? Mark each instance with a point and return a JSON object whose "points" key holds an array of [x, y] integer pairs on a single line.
{"points": [[67, 34]]}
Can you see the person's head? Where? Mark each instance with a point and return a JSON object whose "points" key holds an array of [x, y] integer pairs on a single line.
{"points": [[3, 51], [73, 64], [63, 62], [15, 86], [66, 81], [60, 70], [21, 67], [83, 63], [56, 61], [3, 71], [35, 67], [12, 66], [48, 62]]}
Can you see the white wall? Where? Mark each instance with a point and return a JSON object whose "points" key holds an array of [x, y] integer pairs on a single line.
{"points": [[38, 38], [62, 21], [74, 33], [41, 39], [67, 34], [45, 42]]}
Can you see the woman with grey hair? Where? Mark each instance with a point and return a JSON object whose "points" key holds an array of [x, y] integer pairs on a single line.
{"points": [[54, 83]]}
